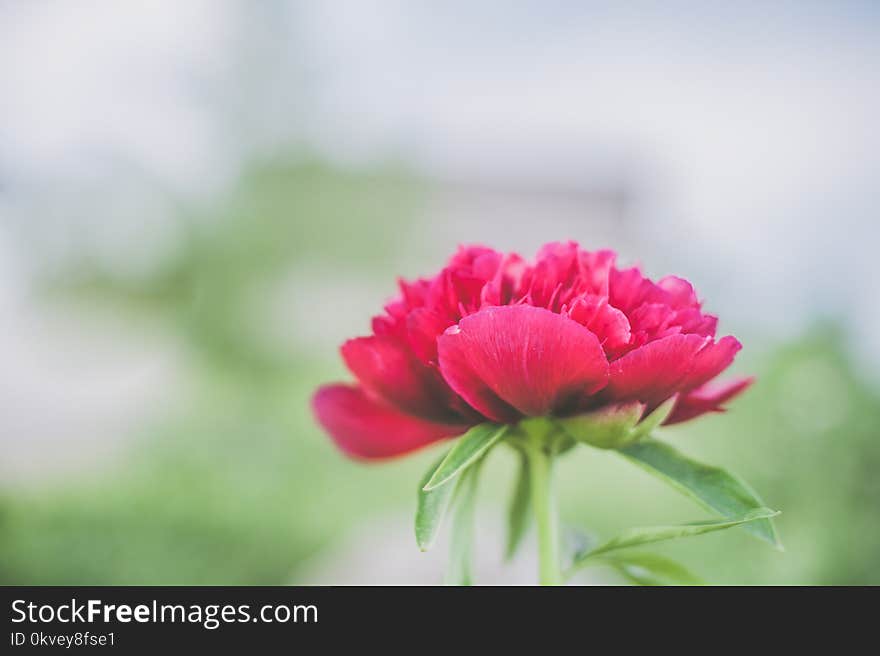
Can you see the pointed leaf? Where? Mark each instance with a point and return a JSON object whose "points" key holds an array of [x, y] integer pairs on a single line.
{"points": [[518, 514], [459, 567], [431, 509], [712, 487], [635, 537], [651, 569], [467, 450]]}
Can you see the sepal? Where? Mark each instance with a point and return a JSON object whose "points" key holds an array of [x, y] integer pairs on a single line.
{"points": [[615, 426]]}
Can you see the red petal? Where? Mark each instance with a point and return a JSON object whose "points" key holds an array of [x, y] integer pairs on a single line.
{"points": [[388, 370], [596, 269], [424, 326], [413, 293], [366, 428], [654, 321], [711, 361], [481, 259], [506, 285], [628, 289], [556, 269], [653, 372], [609, 324], [692, 320], [513, 360], [681, 292], [707, 398]]}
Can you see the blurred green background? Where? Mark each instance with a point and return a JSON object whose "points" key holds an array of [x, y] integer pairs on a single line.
{"points": [[233, 483], [162, 343]]}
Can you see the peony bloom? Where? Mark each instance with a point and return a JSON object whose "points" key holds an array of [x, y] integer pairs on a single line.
{"points": [[495, 338]]}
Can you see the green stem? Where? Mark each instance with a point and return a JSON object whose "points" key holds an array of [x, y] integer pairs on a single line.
{"points": [[544, 504]]}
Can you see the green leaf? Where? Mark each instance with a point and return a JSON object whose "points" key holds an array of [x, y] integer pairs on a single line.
{"points": [[610, 427], [518, 514], [712, 487], [466, 451], [431, 509], [635, 537], [644, 568], [459, 568]]}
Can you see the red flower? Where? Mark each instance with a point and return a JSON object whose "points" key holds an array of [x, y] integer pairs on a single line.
{"points": [[494, 338]]}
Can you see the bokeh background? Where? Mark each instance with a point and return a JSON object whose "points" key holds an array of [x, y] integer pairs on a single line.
{"points": [[199, 201]]}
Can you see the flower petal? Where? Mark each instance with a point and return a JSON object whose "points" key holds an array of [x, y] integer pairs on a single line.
{"points": [[681, 292], [707, 398], [424, 326], [506, 286], [653, 321], [711, 361], [628, 289], [692, 320], [366, 428], [607, 323], [596, 270], [521, 360], [653, 372], [390, 371]]}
